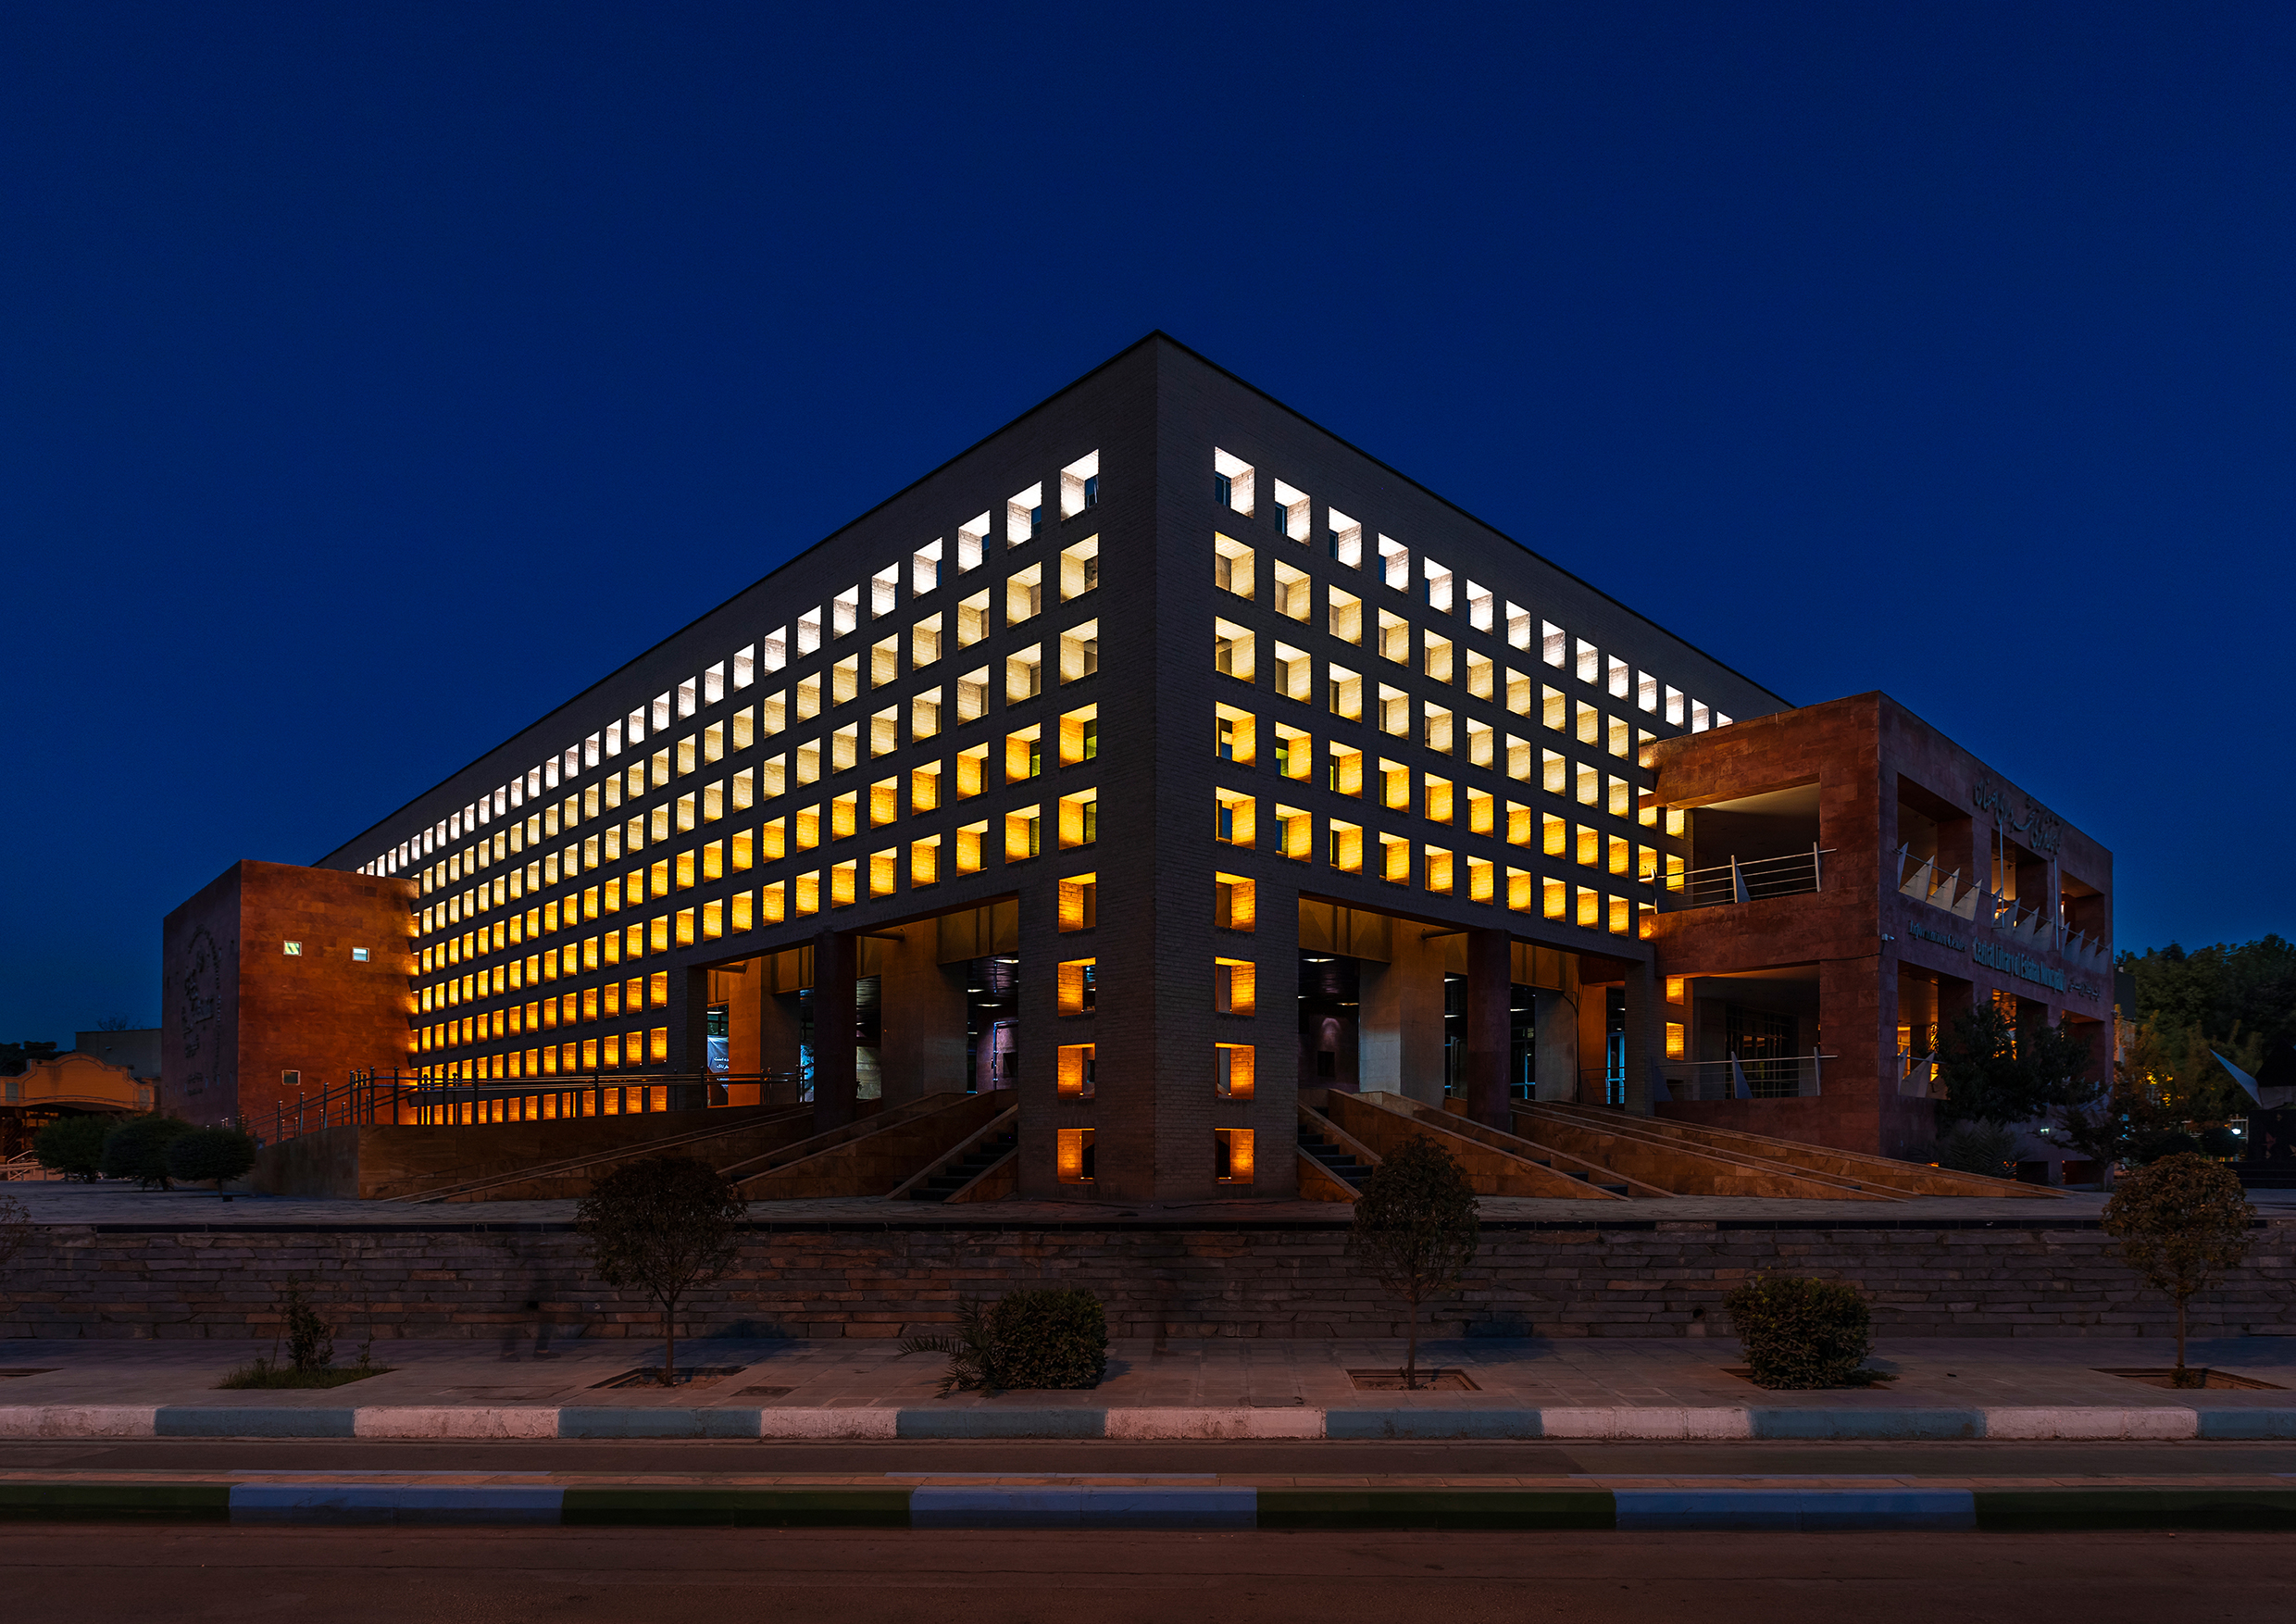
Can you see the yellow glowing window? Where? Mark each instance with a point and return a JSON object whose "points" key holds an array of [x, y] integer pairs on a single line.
{"points": [[1620, 855], [1079, 735], [1080, 902], [1589, 908], [1075, 1074], [806, 892], [844, 880], [1621, 916], [1079, 818], [1438, 798], [1437, 868], [1345, 847], [884, 868], [1231, 650], [1343, 693], [970, 841], [1234, 1154], [1232, 818], [1232, 902], [773, 902], [1234, 982], [1343, 770], [1074, 986], [1024, 833], [925, 861], [1518, 889], [1295, 832], [1676, 1044], [1232, 1070], [1024, 754], [972, 768], [1073, 1154], [1233, 734], [1479, 880], [1555, 902], [1231, 566], [925, 788], [1394, 860]]}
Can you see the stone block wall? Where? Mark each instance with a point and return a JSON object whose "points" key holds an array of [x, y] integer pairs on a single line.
{"points": [[508, 1282]]}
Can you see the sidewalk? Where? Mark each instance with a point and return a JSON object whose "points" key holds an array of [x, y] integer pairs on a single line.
{"points": [[1674, 1388]]}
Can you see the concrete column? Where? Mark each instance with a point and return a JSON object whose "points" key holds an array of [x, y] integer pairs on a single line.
{"points": [[1272, 1113], [1489, 985], [1400, 1025], [923, 1050], [1643, 1043], [1554, 1030], [834, 1081]]}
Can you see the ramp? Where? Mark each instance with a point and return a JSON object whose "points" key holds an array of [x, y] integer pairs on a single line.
{"points": [[873, 1157], [1385, 1121]]}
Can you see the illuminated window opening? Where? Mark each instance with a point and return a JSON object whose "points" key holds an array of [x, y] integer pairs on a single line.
{"points": [[1394, 712], [1479, 880], [1394, 860], [1231, 482], [1023, 834], [1481, 743], [972, 696], [1295, 754], [1080, 568], [1074, 1079], [1436, 868], [1079, 735], [1295, 831], [1233, 570], [1079, 818], [1024, 754], [1343, 769], [1438, 585], [1024, 674], [1343, 617], [972, 620], [884, 872], [1231, 1075], [1343, 693], [1394, 639], [845, 611], [972, 771], [1395, 564], [1436, 798], [1436, 728], [925, 861], [1079, 485], [1080, 902], [1232, 818], [925, 569], [1079, 651], [925, 715], [1394, 786], [844, 883], [1073, 1154], [1294, 673], [1232, 902], [1024, 514], [1024, 595], [1342, 539], [925, 787], [1075, 987], [1294, 593], [1231, 650], [1233, 734]]}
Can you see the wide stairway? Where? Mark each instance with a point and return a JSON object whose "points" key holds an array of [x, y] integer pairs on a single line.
{"points": [[1340, 1164], [961, 1171]]}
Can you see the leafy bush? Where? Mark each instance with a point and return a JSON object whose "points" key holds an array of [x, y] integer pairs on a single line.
{"points": [[73, 1146], [1978, 1147], [210, 1152], [138, 1149], [310, 1340], [2161, 1144], [1040, 1339], [1054, 1337], [2221, 1142], [1800, 1332]]}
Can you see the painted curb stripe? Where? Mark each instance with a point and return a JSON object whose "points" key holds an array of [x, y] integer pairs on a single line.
{"points": [[1063, 1507], [1797, 1510], [252, 1421], [395, 1503], [738, 1508], [2012, 1509], [1874, 1423], [72, 1502], [1436, 1508]]}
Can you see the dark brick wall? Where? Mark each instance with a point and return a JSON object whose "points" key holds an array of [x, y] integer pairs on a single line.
{"points": [[1668, 1281]]}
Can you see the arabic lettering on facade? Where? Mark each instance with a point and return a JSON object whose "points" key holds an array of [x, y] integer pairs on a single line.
{"points": [[2042, 829]]}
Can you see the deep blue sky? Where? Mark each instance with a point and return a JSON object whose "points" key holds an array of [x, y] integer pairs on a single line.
{"points": [[376, 376]]}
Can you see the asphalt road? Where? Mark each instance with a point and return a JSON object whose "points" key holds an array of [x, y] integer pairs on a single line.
{"points": [[1943, 1459], [140, 1575]]}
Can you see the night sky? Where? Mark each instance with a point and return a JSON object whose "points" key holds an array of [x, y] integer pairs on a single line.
{"points": [[377, 376]]}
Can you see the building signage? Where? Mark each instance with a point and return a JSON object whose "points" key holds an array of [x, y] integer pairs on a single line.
{"points": [[1942, 938], [2023, 966]]}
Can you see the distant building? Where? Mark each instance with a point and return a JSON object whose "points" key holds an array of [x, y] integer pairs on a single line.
{"points": [[65, 1085], [137, 1049], [277, 981]]}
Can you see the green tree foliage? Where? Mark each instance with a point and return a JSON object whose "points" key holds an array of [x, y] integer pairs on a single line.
{"points": [[2216, 991], [16, 1059], [1978, 1147], [310, 1339], [666, 1225], [137, 1149], [73, 1146], [1994, 1074], [2182, 1222], [219, 1154], [1415, 1229], [1800, 1332]]}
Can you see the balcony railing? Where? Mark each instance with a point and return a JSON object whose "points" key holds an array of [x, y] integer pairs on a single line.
{"points": [[1782, 1077], [1791, 875]]}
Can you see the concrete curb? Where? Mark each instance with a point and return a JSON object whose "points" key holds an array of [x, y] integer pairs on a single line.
{"points": [[858, 1422], [315, 1499]]}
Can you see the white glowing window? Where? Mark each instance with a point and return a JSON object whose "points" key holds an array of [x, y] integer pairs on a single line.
{"points": [[1231, 481]]}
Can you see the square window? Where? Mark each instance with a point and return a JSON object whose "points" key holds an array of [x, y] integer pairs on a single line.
{"points": [[359, 956], [294, 949]]}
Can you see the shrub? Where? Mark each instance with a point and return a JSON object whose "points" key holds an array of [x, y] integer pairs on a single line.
{"points": [[1053, 1338], [137, 1149], [210, 1152], [1800, 1332], [1416, 1228], [2162, 1143], [1978, 1147], [73, 1146], [2181, 1223], [665, 1224], [310, 1340]]}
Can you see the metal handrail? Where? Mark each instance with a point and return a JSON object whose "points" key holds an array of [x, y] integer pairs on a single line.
{"points": [[387, 1098], [1758, 1079], [1793, 874]]}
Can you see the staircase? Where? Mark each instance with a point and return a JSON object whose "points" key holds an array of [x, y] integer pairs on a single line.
{"points": [[1341, 1165], [952, 1176]]}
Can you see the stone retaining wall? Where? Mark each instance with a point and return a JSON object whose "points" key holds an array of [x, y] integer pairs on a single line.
{"points": [[512, 1282]]}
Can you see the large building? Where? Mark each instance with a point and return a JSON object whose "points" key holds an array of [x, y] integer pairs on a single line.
{"points": [[1156, 758]]}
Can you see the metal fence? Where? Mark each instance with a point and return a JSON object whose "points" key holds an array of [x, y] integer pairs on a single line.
{"points": [[1795, 874], [1783, 1077]]}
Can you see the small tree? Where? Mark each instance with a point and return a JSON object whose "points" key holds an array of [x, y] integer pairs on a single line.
{"points": [[2181, 1223], [666, 1225], [73, 1146], [1415, 1229], [138, 1149], [210, 1152]]}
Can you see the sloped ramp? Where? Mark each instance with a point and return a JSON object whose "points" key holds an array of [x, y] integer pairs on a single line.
{"points": [[1493, 1166], [564, 1176], [1872, 1173], [956, 1174], [1683, 1167], [872, 1156]]}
